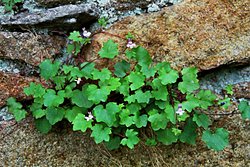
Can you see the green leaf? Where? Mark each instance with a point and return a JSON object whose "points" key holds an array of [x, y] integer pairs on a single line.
{"points": [[225, 103], [156, 84], [126, 118], [229, 89], [124, 87], [113, 143], [206, 98], [166, 136], [81, 99], [49, 69], [140, 121], [38, 113], [43, 125], [190, 82], [36, 108], [182, 117], [137, 80], [189, 105], [130, 54], [161, 93], [59, 81], [71, 114], [216, 141], [36, 90], [130, 99], [161, 104], [131, 139], [111, 84], [15, 108], [189, 133], [142, 97], [168, 77], [158, 121], [176, 131], [244, 109], [54, 115], [100, 133], [170, 113], [151, 142], [102, 22], [97, 95], [80, 123], [148, 72], [51, 99], [68, 90], [163, 65], [87, 70], [188, 86], [75, 36], [102, 75], [202, 120], [121, 68], [70, 48], [142, 56], [109, 49], [107, 115]]}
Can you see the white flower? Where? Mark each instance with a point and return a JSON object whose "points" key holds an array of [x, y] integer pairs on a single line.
{"points": [[78, 80], [179, 110], [131, 45], [85, 33], [89, 117]]}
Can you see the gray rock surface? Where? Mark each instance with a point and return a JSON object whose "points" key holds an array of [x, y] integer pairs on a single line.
{"points": [[220, 78], [57, 18], [77, 15]]}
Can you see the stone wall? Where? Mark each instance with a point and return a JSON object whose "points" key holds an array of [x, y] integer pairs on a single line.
{"points": [[213, 35]]}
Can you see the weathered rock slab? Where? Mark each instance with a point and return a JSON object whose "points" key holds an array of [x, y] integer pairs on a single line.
{"points": [[59, 18], [22, 145], [11, 85], [205, 33], [29, 47]]}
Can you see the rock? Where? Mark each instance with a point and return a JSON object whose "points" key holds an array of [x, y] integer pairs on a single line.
{"points": [[22, 145], [203, 33], [11, 85], [29, 47], [242, 90], [218, 79], [54, 3], [58, 18]]}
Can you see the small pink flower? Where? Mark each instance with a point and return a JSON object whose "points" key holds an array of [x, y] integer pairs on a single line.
{"points": [[78, 80], [85, 33], [130, 44], [89, 117], [179, 110]]}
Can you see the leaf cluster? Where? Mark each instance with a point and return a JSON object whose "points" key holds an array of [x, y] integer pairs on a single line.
{"points": [[115, 105]]}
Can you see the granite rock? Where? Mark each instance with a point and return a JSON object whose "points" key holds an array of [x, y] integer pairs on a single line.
{"points": [[11, 85], [22, 145], [203, 33], [29, 47], [54, 3], [58, 18]]}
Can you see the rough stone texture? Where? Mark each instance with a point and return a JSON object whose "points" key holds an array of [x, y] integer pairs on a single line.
{"points": [[11, 85], [22, 145], [29, 47], [58, 18], [54, 3], [242, 90], [219, 78], [206, 33]]}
